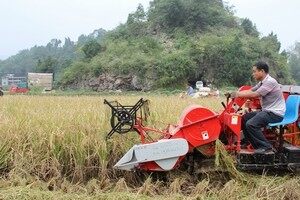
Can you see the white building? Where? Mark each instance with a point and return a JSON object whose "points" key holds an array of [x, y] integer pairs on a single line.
{"points": [[11, 79]]}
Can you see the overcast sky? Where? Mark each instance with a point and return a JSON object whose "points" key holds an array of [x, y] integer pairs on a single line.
{"points": [[25, 23]]}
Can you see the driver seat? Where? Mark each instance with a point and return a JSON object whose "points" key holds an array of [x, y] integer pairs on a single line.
{"points": [[291, 116]]}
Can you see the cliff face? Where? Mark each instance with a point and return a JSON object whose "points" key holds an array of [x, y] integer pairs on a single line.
{"points": [[106, 82]]}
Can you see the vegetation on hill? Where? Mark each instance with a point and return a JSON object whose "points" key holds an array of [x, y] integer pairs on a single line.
{"points": [[55, 57], [171, 42]]}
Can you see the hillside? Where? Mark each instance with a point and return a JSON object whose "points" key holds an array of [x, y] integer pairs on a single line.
{"points": [[172, 42]]}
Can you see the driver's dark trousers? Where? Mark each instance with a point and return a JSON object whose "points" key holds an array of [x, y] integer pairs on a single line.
{"points": [[253, 122]]}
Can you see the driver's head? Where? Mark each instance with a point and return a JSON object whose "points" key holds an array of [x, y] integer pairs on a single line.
{"points": [[260, 70]]}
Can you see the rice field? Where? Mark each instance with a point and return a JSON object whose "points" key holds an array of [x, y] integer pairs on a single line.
{"points": [[53, 147]]}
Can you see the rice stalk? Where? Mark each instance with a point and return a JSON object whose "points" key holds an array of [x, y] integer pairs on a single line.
{"points": [[225, 161]]}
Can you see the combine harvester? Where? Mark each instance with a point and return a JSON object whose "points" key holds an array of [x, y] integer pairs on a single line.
{"points": [[199, 128]]}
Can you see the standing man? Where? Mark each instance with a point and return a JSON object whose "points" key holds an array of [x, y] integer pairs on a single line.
{"points": [[273, 107]]}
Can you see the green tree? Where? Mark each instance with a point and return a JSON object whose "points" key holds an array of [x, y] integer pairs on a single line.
{"points": [[91, 49], [249, 27], [294, 62], [46, 66], [192, 15], [136, 22], [277, 60], [167, 13]]}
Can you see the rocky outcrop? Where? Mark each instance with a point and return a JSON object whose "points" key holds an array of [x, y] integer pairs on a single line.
{"points": [[109, 82]]}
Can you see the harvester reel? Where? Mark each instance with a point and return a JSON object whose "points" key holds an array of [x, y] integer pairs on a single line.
{"points": [[123, 117], [124, 120]]}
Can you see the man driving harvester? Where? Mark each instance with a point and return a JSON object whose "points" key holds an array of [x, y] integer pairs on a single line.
{"points": [[273, 108]]}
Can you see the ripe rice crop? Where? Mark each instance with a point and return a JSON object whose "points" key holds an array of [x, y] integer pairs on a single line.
{"points": [[53, 147]]}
